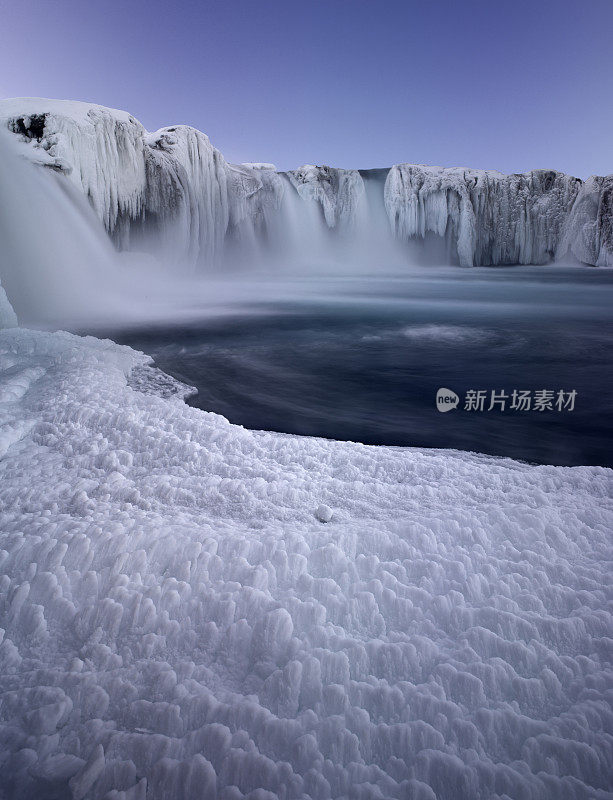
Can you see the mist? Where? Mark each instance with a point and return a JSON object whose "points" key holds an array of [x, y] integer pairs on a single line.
{"points": [[60, 268], [288, 241]]}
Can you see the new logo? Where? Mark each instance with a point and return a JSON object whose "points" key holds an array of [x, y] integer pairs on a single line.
{"points": [[446, 400]]}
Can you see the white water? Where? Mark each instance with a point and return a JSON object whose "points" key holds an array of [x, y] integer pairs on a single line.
{"points": [[56, 262], [60, 269]]}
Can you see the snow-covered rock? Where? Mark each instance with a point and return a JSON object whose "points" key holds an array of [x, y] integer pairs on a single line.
{"points": [[167, 190], [186, 204], [256, 196], [323, 513], [259, 165], [177, 623], [172, 192]]}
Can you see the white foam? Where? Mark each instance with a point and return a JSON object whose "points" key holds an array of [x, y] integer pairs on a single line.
{"points": [[446, 334]]}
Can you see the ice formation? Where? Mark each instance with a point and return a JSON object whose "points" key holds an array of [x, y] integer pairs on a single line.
{"points": [[588, 232], [173, 192], [339, 192], [172, 181], [55, 259], [179, 624], [491, 218], [100, 149]]}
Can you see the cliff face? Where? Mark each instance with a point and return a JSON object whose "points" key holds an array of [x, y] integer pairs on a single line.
{"points": [[492, 218], [176, 191]]}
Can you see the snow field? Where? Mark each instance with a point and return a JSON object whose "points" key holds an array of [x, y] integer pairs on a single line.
{"points": [[194, 610]]}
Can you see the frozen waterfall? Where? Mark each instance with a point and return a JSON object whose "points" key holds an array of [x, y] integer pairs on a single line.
{"points": [[56, 260], [173, 194]]}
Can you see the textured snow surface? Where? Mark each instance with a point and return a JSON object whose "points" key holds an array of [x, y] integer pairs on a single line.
{"points": [[173, 190], [193, 610]]}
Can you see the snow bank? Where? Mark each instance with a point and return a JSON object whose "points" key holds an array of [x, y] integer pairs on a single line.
{"points": [[191, 609], [172, 192]]}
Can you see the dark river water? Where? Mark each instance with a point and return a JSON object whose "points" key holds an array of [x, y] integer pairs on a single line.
{"points": [[361, 359]]}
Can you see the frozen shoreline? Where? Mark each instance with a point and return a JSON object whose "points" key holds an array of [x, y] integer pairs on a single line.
{"points": [[179, 622]]}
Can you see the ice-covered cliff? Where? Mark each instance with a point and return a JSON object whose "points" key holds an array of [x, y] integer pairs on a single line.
{"points": [[588, 228], [172, 182], [491, 218], [173, 192]]}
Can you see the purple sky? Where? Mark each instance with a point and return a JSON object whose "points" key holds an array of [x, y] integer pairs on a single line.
{"points": [[352, 83]]}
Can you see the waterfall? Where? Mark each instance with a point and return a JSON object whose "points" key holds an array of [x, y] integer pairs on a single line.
{"points": [[99, 177], [57, 263], [55, 259]]}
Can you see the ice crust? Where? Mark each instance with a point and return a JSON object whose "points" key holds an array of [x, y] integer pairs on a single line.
{"points": [[175, 187], [178, 623]]}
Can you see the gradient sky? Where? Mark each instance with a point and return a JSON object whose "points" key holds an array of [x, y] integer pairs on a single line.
{"points": [[352, 83]]}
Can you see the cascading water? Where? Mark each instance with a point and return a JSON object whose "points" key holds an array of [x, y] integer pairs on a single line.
{"points": [[377, 245], [304, 234], [172, 194], [56, 261], [59, 267]]}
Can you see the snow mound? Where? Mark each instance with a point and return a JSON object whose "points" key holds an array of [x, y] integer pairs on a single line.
{"points": [[179, 624]]}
